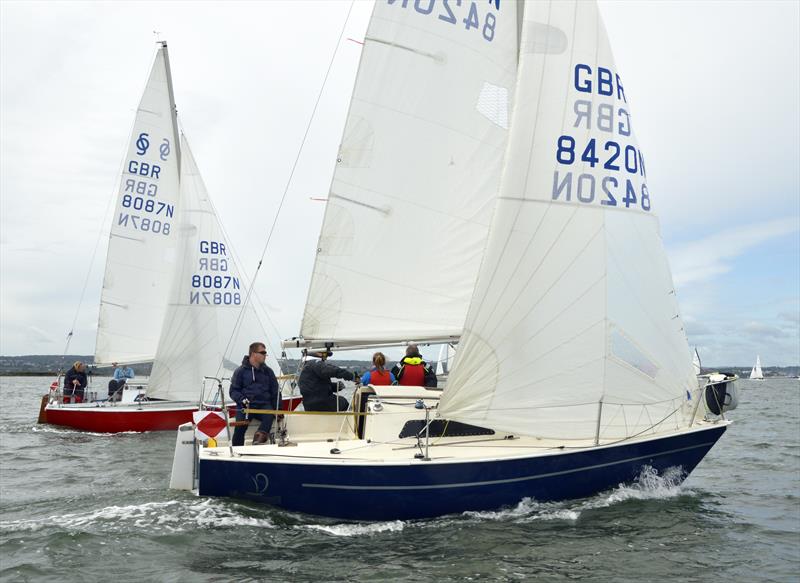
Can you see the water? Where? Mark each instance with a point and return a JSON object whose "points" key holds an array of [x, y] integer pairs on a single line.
{"points": [[91, 507]]}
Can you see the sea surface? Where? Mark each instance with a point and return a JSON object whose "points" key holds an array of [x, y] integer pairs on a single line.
{"points": [[91, 507]]}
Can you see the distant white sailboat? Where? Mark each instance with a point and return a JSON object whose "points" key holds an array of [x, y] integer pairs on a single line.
{"points": [[447, 354], [756, 374]]}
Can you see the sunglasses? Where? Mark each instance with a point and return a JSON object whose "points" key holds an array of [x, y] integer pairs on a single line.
{"points": [[264, 352]]}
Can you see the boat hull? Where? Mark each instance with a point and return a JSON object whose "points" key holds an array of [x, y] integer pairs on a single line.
{"points": [[152, 416], [420, 489], [120, 418]]}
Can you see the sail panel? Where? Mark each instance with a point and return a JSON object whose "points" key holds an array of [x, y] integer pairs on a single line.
{"points": [[208, 293], [573, 330], [141, 250], [417, 172]]}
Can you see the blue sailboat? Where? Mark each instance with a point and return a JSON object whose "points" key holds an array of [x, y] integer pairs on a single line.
{"points": [[497, 135]]}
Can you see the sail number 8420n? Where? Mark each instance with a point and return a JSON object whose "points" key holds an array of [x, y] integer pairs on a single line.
{"points": [[455, 12]]}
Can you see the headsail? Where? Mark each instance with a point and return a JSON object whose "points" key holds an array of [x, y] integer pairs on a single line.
{"points": [[573, 330], [141, 249], [206, 300], [417, 173]]}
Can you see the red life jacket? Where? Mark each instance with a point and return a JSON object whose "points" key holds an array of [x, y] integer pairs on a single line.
{"points": [[377, 377], [413, 375]]}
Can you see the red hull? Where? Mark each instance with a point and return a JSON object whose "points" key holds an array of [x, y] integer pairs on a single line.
{"points": [[120, 418], [117, 419]]}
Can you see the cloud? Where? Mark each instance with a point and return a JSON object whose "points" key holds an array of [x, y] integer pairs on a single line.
{"points": [[711, 256], [793, 317], [695, 328], [760, 330]]}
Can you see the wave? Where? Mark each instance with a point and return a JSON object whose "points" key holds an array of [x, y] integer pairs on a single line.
{"points": [[356, 529], [155, 517], [648, 485]]}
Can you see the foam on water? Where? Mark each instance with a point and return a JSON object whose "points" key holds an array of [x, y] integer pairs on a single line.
{"points": [[649, 485], [170, 516], [357, 529]]}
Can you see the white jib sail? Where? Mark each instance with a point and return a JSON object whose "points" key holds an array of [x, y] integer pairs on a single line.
{"points": [[573, 330], [417, 173], [206, 300], [141, 247]]}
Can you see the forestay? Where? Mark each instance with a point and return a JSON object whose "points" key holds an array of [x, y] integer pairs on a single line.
{"points": [[417, 173], [573, 330], [206, 300], [141, 248]]}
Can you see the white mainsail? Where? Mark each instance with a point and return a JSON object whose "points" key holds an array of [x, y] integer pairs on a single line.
{"points": [[573, 329], [756, 372], [141, 249], [197, 338], [416, 175]]}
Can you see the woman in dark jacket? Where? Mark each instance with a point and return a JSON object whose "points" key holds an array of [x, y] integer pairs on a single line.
{"points": [[75, 383]]}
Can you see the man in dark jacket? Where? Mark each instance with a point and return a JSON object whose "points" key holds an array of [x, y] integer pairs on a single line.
{"points": [[75, 383], [413, 371], [316, 386], [253, 385]]}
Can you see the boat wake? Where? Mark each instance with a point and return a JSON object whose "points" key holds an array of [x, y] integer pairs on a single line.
{"points": [[649, 485], [153, 517], [69, 431], [364, 529]]}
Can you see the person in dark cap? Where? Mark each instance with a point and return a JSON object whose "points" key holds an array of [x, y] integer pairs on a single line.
{"points": [[316, 384]]}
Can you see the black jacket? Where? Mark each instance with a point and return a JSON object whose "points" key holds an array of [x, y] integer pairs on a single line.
{"points": [[259, 385], [72, 375], [315, 380]]}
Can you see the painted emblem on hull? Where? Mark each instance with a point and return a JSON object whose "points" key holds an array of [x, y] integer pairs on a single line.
{"points": [[260, 483]]}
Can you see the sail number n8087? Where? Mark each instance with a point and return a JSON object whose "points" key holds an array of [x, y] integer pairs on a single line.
{"points": [[215, 298]]}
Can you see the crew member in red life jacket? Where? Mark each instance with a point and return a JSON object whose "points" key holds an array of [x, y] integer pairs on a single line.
{"points": [[412, 371], [378, 375]]}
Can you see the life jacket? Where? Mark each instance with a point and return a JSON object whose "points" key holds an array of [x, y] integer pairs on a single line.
{"points": [[377, 377], [412, 373]]}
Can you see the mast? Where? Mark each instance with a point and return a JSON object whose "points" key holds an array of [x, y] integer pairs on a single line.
{"points": [[172, 107]]}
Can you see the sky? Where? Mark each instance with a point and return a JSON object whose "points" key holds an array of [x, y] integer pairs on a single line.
{"points": [[714, 89]]}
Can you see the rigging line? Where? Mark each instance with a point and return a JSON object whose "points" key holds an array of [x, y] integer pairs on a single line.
{"points": [[240, 317]]}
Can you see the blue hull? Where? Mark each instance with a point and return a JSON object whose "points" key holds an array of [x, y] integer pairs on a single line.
{"points": [[425, 489]]}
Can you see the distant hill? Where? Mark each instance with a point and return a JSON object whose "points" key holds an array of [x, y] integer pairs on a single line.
{"points": [[51, 364]]}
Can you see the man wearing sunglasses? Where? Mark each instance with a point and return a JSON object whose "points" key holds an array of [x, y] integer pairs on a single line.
{"points": [[254, 386]]}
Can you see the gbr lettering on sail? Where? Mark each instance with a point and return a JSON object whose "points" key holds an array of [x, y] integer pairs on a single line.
{"points": [[598, 160]]}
